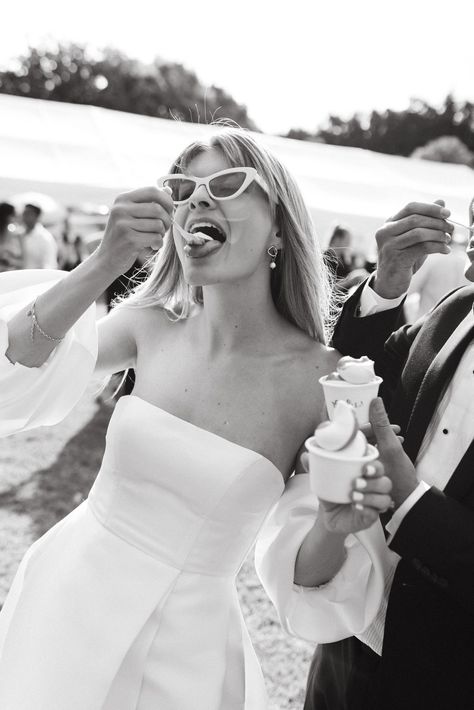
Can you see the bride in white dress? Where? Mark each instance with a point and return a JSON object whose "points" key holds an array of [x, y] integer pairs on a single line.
{"points": [[129, 603]]}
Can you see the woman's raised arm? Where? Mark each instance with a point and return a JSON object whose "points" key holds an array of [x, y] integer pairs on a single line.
{"points": [[137, 220]]}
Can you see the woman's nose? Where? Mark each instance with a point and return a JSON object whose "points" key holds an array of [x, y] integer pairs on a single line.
{"points": [[201, 198]]}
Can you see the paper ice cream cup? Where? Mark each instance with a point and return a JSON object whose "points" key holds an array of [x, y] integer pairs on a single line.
{"points": [[331, 476], [359, 396]]}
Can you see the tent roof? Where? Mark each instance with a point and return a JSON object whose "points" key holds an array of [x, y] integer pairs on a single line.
{"points": [[82, 154]]}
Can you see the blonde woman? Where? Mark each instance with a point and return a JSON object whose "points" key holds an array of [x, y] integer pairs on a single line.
{"points": [[129, 602]]}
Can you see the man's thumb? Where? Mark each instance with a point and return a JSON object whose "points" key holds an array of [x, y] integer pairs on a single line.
{"points": [[383, 431]]}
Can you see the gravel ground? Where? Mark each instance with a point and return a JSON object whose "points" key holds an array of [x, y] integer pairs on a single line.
{"points": [[47, 472]]}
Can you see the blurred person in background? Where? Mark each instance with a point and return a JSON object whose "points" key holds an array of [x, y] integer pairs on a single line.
{"points": [[71, 253], [11, 249], [39, 246], [346, 264], [339, 253]]}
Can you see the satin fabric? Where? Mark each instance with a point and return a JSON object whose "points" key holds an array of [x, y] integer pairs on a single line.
{"points": [[130, 601]]}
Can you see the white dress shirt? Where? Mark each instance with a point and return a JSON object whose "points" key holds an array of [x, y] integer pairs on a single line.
{"points": [[40, 249]]}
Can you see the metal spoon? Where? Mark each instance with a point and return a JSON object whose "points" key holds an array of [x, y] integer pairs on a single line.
{"points": [[464, 226]]}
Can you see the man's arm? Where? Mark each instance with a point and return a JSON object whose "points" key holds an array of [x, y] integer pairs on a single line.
{"points": [[436, 534], [403, 243]]}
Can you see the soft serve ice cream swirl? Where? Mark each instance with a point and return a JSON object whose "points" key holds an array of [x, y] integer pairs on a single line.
{"points": [[341, 435], [356, 371]]}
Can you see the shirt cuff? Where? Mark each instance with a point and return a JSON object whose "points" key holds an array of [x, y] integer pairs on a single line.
{"points": [[397, 518], [370, 302]]}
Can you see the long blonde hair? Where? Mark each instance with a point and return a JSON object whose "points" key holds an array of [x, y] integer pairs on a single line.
{"points": [[300, 283]]}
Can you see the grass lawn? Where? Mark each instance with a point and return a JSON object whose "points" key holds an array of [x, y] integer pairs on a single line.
{"points": [[45, 473]]}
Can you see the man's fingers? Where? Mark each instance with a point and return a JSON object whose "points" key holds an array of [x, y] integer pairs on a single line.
{"points": [[420, 236], [416, 221], [428, 209], [383, 431]]}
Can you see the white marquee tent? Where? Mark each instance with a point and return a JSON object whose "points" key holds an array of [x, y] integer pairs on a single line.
{"points": [[80, 154]]}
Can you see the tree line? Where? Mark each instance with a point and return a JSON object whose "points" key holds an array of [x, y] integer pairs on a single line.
{"points": [[444, 133], [109, 79]]}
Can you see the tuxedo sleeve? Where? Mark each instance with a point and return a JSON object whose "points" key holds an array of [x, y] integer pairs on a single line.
{"points": [[436, 537], [379, 336]]}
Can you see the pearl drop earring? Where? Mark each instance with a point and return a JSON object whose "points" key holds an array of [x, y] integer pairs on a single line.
{"points": [[272, 251]]}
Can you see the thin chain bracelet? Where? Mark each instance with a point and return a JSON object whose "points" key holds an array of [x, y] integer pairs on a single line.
{"points": [[36, 326]]}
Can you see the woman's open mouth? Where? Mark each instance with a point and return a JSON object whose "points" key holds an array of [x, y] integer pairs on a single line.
{"points": [[204, 238], [208, 229]]}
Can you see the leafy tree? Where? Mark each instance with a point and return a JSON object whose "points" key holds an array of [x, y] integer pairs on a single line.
{"points": [[399, 132], [111, 80], [446, 149]]}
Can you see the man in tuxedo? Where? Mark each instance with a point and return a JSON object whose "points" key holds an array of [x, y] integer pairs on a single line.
{"points": [[418, 653]]}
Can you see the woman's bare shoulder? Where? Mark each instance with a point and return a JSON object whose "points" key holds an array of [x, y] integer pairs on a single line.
{"points": [[314, 355]]}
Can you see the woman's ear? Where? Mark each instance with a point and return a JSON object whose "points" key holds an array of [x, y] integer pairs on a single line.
{"points": [[277, 241]]}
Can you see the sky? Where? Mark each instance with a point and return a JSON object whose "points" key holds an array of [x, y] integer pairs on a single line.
{"points": [[292, 64]]}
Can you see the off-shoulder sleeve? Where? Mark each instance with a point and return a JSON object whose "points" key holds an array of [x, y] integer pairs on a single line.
{"points": [[343, 607], [37, 396]]}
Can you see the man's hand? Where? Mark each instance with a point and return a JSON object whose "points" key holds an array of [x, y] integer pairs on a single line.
{"points": [[397, 465], [404, 242]]}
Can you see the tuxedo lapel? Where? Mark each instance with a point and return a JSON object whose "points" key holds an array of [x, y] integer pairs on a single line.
{"points": [[437, 376]]}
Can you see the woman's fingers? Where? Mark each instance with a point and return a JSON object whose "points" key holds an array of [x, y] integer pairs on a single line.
{"points": [[372, 490], [149, 210], [373, 484], [374, 469], [372, 500], [148, 226]]}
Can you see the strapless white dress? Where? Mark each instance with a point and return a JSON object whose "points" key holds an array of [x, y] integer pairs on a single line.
{"points": [[129, 603]]}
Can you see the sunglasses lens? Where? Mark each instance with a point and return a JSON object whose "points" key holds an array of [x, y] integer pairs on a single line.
{"points": [[226, 185], [181, 188]]}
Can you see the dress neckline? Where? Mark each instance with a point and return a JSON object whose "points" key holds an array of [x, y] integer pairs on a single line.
{"points": [[207, 431]]}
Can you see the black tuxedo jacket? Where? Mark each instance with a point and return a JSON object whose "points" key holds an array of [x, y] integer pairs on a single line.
{"points": [[428, 651]]}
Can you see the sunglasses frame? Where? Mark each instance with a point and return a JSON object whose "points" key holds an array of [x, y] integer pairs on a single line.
{"points": [[251, 175]]}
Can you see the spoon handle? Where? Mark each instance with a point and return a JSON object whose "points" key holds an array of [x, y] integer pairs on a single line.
{"points": [[458, 224]]}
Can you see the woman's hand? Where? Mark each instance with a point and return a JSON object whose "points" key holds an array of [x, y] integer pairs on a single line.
{"points": [[370, 496], [138, 220]]}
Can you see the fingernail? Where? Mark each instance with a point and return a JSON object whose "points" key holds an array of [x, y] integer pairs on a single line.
{"points": [[444, 212], [360, 483], [369, 470], [358, 506], [448, 238], [357, 496]]}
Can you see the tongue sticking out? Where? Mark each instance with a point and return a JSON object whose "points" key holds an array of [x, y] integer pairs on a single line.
{"points": [[196, 239]]}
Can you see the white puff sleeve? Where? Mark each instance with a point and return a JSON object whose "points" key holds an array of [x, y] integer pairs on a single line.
{"points": [[38, 396], [343, 607]]}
